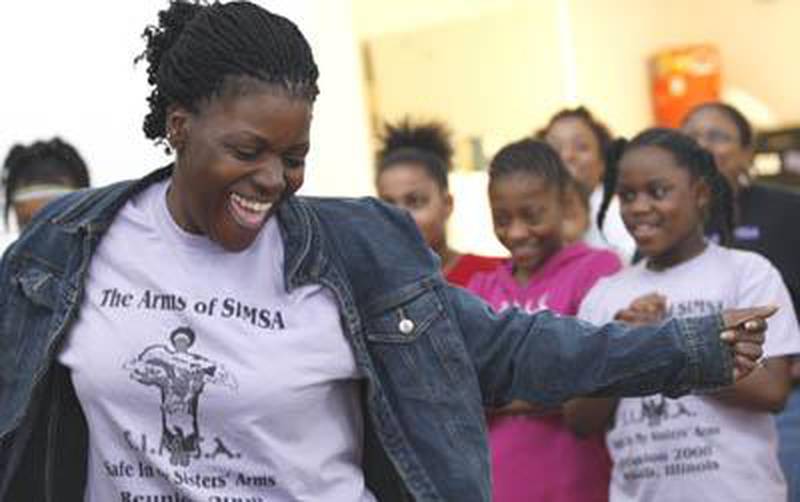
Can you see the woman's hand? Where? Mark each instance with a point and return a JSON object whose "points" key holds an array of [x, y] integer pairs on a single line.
{"points": [[744, 332]]}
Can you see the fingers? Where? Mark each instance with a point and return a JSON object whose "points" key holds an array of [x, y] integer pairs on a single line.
{"points": [[745, 332], [743, 366], [736, 318], [749, 350], [755, 325]]}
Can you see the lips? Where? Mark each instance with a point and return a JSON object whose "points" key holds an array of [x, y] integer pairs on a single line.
{"points": [[641, 231], [247, 212], [524, 253]]}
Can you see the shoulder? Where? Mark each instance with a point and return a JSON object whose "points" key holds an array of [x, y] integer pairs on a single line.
{"points": [[478, 262], [595, 261], [52, 223], [359, 215], [740, 260], [470, 265], [485, 279], [774, 196], [622, 278], [369, 236], [54, 231]]}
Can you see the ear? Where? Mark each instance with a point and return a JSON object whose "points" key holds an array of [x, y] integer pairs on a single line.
{"points": [[702, 193], [178, 121], [448, 203]]}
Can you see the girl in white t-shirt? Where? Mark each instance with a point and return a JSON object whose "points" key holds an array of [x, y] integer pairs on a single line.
{"points": [[718, 446]]}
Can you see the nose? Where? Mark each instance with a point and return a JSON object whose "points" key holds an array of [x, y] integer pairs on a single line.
{"points": [[568, 154], [517, 231], [640, 204], [703, 139], [269, 178]]}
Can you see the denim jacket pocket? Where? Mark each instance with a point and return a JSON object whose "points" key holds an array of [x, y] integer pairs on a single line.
{"points": [[405, 319], [411, 339], [39, 286]]}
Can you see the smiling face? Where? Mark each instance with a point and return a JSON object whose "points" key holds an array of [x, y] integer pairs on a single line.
{"points": [[409, 186], [527, 214], [579, 149], [236, 157], [662, 204], [717, 133]]}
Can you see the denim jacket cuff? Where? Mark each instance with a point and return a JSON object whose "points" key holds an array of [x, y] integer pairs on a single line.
{"points": [[709, 359]]}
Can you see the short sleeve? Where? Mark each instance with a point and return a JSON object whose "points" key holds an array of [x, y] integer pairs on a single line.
{"points": [[603, 264], [762, 284], [592, 307]]}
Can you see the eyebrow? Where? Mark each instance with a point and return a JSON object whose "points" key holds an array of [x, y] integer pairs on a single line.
{"points": [[262, 141]]}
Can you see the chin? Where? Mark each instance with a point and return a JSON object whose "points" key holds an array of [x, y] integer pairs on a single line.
{"points": [[235, 242], [650, 251]]}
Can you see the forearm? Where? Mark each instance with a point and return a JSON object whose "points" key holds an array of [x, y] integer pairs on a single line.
{"points": [[765, 390], [547, 359], [589, 415]]}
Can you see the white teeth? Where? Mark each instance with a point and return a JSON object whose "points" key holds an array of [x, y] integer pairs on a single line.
{"points": [[251, 205]]}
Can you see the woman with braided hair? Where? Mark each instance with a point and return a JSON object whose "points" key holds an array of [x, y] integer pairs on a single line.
{"points": [[720, 444], [329, 360], [35, 174]]}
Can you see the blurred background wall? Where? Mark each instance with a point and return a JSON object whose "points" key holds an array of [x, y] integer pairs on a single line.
{"points": [[494, 70]]}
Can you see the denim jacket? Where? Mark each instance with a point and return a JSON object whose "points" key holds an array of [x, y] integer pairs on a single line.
{"points": [[433, 356]]}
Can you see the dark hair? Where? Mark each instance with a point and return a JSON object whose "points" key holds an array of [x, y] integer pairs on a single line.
{"points": [[687, 153], [584, 196], [530, 156], [185, 331], [599, 129], [746, 136], [426, 144], [197, 49], [53, 161]]}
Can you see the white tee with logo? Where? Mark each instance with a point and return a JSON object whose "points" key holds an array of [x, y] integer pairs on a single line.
{"points": [[202, 379], [696, 448]]}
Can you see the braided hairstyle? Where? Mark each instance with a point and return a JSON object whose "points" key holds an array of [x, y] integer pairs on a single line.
{"points": [[42, 162], [426, 144], [199, 50], [533, 157], [687, 153]]}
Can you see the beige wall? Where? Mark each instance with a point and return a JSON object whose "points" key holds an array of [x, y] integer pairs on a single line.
{"points": [[499, 69], [494, 76], [758, 41], [496, 68]]}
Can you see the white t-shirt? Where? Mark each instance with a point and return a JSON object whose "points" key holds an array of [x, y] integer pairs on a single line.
{"points": [[202, 379], [695, 447], [614, 235]]}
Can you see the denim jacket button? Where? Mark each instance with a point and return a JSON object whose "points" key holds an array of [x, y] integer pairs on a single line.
{"points": [[406, 326]]}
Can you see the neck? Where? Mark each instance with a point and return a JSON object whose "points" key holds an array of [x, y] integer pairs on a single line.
{"points": [[685, 251], [521, 275], [448, 256]]}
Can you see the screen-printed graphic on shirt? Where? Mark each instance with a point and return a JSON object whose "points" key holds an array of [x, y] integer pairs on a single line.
{"points": [[180, 376]]}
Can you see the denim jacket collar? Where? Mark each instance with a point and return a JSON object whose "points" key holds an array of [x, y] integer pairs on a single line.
{"points": [[304, 254]]}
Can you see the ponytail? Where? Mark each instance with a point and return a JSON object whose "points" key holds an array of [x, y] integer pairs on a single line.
{"points": [[613, 156]]}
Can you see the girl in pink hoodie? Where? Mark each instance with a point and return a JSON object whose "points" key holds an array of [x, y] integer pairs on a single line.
{"points": [[535, 457]]}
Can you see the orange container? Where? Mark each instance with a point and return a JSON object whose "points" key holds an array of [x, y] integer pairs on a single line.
{"points": [[682, 78]]}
